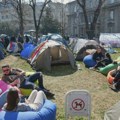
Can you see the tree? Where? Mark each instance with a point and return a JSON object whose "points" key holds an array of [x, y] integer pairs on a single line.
{"points": [[37, 19], [18, 6], [6, 29], [49, 24], [90, 28]]}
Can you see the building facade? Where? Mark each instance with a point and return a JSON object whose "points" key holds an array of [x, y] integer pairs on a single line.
{"points": [[9, 16], [108, 20]]}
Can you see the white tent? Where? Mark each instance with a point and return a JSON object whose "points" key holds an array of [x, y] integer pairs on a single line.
{"points": [[110, 38], [113, 113], [79, 44]]}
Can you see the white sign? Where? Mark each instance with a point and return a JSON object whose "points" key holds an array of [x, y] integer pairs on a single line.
{"points": [[78, 103]]}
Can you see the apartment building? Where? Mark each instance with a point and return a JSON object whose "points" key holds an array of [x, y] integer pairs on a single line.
{"points": [[108, 20], [110, 17]]}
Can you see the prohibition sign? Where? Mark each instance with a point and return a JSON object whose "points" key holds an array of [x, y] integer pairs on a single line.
{"points": [[78, 104]]}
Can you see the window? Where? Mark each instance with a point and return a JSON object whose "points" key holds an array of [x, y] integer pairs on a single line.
{"points": [[111, 14], [75, 9], [6, 16], [82, 18], [90, 18], [112, 1], [2, 17], [110, 29]]}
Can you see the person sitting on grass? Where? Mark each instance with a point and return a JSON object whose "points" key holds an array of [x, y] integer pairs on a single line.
{"points": [[116, 80], [101, 59], [34, 102], [15, 76]]}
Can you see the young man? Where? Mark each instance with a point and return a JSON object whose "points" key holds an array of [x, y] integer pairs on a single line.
{"points": [[17, 77]]}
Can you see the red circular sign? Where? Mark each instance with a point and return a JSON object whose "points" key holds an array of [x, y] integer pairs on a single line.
{"points": [[78, 104]]}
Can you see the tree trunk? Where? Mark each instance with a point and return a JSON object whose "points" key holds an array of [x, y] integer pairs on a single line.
{"points": [[90, 34], [37, 33], [21, 19], [90, 28], [21, 27]]}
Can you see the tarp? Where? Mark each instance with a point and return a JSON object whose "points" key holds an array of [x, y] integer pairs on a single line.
{"points": [[110, 38]]}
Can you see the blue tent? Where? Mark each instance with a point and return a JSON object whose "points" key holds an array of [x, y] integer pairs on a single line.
{"points": [[26, 52], [26, 45]]}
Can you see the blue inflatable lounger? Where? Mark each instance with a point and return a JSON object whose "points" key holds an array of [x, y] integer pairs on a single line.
{"points": [[88, 61], [47, 112]]}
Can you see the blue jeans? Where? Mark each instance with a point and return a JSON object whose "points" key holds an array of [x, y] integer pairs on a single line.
{"points": [[29, 82]]}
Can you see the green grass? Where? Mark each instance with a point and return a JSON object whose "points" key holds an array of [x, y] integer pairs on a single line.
{"points": [[63, 78]]}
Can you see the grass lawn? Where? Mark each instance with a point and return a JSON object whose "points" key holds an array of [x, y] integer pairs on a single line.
{"points": [[63, 78]]}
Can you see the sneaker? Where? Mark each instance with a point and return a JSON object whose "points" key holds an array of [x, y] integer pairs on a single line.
{"points": [[46, 89], [78, 67], [113, 87], [48, 94], [91, 68]]}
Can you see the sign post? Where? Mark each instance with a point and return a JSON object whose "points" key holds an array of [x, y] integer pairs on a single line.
{"points": [[78, 103]]}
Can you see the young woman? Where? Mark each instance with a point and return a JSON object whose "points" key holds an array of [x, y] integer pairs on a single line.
{"points": [[34, 102], [101, 59]]}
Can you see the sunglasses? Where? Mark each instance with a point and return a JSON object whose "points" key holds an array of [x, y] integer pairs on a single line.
{"points": [[6, 70]]}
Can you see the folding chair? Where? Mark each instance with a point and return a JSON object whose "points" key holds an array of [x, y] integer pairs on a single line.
{"points": [[77, 103]]}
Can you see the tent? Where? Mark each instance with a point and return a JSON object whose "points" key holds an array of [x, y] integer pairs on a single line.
{"points": [[55, 37], [12, 47], [49, 53], [27, 51], [80, 43], [113, 113], [110, 38], [72, 43], [87, 48]]}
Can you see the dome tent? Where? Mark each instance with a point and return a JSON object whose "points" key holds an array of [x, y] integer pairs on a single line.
{"points": [[54, 37], [50, 53], [26, 52], [88, 48], [79, 44]]}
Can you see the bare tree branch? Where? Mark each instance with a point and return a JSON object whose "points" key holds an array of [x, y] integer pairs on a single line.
{"points": [[33, 5], [44, 5], [90, 30], [82, 4]]}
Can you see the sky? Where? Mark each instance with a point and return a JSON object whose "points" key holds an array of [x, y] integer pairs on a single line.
{"points": [[63, 1]]}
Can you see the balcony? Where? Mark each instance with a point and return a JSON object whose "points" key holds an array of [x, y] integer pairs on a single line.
{"points": [[110, 21]]}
